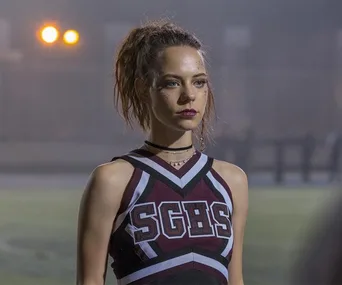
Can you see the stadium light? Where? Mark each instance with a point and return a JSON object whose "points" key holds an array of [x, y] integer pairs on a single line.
{"points": [[71, 37], [49, 34]]}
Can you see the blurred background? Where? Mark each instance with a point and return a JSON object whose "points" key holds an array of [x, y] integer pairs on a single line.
{"points": [[276, 68]]}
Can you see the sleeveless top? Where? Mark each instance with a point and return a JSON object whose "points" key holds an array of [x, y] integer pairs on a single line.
{"points": [[173, 227]]}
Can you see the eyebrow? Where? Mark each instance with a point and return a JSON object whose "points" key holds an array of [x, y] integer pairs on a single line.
{"points": [[180, 77]]}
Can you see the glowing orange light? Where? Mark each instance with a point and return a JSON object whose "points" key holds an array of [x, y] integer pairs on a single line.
{"points": [[49, 34], [71, 37]]}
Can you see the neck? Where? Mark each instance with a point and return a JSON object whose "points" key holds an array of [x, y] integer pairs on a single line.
{"points": [[174, 143], [170, 138], [168, 141]]}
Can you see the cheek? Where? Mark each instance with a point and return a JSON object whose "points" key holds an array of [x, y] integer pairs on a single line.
{"points": [[205, 97], [203, 101], [162, 100]]}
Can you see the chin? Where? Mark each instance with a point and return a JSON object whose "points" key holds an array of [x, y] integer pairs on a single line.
{"points": [[187, 125]]}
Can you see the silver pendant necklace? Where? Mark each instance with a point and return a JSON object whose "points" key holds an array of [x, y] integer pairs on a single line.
{"points": [[181, 162]]}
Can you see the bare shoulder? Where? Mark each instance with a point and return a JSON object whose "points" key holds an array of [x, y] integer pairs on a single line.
{"points": [[231, 173], [115, 173], [108, 181], [235, 178]]}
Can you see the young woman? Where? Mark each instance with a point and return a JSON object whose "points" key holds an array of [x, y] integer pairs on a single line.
{"points": [[166, 213]]}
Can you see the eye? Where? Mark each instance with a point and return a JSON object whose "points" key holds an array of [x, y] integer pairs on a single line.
{"points": [[200, 83], [171, 84]]}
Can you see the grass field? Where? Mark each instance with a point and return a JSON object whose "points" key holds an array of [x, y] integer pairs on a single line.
{"points": [[38, 231]]}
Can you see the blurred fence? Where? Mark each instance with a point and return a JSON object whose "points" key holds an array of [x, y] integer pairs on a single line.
{"points": [[304, 154]]}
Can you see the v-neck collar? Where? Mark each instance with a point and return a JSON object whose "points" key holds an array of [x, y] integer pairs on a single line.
{"points": [[180, 180], [182, 171]]}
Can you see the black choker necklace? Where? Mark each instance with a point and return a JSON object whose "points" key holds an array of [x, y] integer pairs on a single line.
{"points": [[168, 148]]}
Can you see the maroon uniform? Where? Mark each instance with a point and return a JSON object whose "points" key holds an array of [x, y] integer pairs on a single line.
{"points": [[174, 227]]}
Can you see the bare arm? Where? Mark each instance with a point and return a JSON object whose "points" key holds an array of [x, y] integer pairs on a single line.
{"points": [[238, 183], [98, 208]]}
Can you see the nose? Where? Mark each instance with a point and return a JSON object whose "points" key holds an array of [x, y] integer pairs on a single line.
{"points": [[188, 93]]}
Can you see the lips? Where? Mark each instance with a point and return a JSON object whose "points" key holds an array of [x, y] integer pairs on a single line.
{"points": [[188, 112]]}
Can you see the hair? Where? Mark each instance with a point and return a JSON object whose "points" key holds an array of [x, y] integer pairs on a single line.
{"points": [[136, 59]]}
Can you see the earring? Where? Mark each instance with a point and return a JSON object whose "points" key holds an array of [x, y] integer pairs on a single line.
{"points": [[201, 139], [202, 144]]}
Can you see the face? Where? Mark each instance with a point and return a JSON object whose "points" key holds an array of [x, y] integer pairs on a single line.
{"points": [[180, 89]]}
